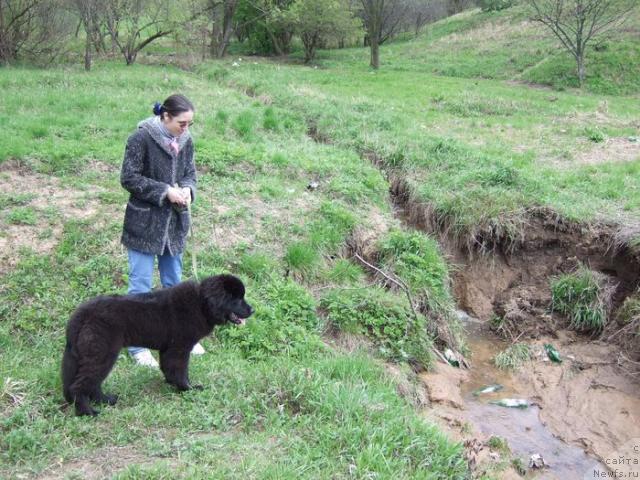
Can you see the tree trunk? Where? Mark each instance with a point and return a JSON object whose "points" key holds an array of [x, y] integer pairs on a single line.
{"points": [[216, 30], [87, 51], [275, 42], [375, 53], [581, 68], [222, 47]]}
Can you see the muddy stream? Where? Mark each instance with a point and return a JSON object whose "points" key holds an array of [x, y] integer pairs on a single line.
{"points": [[583, 416]]}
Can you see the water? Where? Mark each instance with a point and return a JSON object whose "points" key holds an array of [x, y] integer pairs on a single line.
{"points": [[521, 428]]}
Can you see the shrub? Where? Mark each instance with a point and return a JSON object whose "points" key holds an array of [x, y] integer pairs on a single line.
{"points": [[584, 297], [495, 5], [284, 323], [382, 317]]}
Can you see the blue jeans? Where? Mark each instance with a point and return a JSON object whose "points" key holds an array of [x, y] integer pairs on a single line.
{"points": [[141, 274]]}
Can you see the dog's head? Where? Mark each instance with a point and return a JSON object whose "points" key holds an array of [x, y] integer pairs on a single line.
{"points": [[223, 300]]}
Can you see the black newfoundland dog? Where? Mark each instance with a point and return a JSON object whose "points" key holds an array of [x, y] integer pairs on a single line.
{"points": [[170, 320]]}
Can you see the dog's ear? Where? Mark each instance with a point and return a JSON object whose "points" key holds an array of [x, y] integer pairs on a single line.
{"points": [[214, 298], [233, 286]]}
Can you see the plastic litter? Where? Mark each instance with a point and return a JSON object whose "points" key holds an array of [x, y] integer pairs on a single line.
{"points": [[511, 403], [488, 389], [536, 461], [451, 358]]}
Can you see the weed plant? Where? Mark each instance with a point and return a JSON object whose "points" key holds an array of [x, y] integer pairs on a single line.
{"points": [[583, 297], [383, 318], [513, 356]]}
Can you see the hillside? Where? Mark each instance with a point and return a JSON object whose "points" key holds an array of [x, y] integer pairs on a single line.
{"points": [[361, 209], [506, 45]]}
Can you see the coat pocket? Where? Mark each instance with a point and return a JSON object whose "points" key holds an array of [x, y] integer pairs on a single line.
{"points": [[185, 220], [137, 220]]}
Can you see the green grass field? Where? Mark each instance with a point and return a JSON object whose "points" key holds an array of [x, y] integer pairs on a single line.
{"points": [[279, 402], [283, 399]]}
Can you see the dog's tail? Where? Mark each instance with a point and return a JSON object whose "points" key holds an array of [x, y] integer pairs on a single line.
{"points": [[69, 371]]}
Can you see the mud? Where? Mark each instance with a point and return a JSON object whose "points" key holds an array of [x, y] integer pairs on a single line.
{"points": [[583, 411]]}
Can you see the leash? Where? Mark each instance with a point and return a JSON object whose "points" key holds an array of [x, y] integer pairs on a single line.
{"points": [[194, 264]]}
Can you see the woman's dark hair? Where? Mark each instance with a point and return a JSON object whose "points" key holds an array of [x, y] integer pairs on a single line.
{"points": [[174, 105]]}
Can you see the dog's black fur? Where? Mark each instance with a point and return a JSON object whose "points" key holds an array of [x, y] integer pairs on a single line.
{"points": [[170, 320]]}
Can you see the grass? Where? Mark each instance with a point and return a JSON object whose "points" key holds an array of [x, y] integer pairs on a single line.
{"points": [[513, 356], [584, 297], [279, 402], [479, 153]]}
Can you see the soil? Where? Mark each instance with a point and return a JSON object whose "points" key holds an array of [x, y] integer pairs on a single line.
{"points": [[53, 205], [510, 277], [103, 463], [613, 150]]}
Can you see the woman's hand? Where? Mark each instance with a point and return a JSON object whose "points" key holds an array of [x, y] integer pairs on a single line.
{"points": [[186, 192], [176, 195]]}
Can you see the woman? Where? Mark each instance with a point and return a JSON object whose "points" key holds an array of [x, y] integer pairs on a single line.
{"points": [[159, 173]]}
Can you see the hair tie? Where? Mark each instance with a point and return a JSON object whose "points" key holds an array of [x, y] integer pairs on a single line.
{"points": [[157, 108]]}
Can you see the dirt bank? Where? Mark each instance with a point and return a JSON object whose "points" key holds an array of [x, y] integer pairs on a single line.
{"points": [[582, 410]]}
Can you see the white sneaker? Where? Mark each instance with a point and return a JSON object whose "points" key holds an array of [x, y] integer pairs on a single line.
{"points": [[145, 358], [198, 349]]}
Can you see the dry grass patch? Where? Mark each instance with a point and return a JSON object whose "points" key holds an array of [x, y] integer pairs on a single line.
{"points": [[35, 208]]}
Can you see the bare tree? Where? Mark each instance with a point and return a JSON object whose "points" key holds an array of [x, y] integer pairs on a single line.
{"points": [[419, 13], [222, 13], [15, 17], [32, 28], [381, 20], [134, 24], [89, 12], [578, 22]]}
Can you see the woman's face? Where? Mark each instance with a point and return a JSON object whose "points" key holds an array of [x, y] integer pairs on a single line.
{"points": [[179, 124]]}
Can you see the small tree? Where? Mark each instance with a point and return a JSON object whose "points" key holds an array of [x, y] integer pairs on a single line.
{"points": [[89, 12], [222, 13], [33, 29], [316, 21], [381, 19], [134, 24], [577, 22]]}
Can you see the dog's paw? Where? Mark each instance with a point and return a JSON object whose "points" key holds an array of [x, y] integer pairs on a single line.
{"points": [[86, 412], [109, 399], [197, 386]]}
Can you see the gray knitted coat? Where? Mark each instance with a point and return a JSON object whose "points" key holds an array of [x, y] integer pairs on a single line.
{"points": [[151, 222]]}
